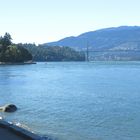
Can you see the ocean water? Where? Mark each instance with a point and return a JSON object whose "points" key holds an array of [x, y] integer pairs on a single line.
{"points": [[75, 100]]}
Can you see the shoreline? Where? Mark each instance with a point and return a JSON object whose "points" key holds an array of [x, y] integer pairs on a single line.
{"points": [[20, 63], [8, 129]]}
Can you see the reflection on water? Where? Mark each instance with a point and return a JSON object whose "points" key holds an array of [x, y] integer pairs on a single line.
{"points": [[75, 101]]}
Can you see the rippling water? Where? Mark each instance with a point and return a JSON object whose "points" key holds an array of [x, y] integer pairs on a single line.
{"points": [[75, 101]]}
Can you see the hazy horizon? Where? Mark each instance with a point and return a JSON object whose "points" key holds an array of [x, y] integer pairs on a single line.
{"points": [[44, 21]]}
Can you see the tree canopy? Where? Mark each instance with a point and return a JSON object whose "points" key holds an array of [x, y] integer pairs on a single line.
{"points": [[5, 41], [14, 53], [53, 53], [10, 52]]}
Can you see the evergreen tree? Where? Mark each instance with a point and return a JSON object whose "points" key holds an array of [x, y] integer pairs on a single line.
{"points": [[5, 41], [12, 53]]}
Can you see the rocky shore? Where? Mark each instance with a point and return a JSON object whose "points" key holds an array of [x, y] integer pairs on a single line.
{"points": [[9, 131]]}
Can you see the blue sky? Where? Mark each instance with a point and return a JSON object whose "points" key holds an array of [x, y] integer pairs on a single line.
{"points": [[42, 21]]}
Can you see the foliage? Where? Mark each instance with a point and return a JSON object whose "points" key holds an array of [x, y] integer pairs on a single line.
{"points": [[5, 41], [56, 53], [15, 54], [23, 52], [12, 53]]}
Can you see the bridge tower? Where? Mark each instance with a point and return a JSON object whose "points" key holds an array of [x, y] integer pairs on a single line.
{"points": [[87, 51]]}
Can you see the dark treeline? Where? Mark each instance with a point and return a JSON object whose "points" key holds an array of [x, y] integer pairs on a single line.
{"points": [[12, 53], [50, 53]]}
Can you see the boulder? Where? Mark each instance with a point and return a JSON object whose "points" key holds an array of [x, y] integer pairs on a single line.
{"points": [[8, 108]]}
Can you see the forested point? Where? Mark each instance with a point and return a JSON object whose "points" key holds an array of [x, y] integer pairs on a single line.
{"points": [[12, 53], [19, 53]]}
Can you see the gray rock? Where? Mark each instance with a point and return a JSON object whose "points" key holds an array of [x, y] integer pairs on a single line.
{"points": [[8, 108]]}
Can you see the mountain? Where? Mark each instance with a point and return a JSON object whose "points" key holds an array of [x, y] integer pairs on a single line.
{"points": [[114, 39]]}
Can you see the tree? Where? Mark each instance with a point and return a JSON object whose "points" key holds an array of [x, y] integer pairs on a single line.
{"points": [[15, 54], [11, 52], [56, 53], [5, 41]]}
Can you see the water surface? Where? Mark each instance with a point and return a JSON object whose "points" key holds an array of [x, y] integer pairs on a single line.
{"points": [[75, 100]]}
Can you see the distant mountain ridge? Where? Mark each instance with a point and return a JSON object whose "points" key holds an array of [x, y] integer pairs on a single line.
{"points": [[115, 38]]}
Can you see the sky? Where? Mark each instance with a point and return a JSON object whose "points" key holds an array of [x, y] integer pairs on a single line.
{"points": [[42, 21]]}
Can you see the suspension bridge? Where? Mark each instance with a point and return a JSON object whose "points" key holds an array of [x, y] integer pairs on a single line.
{"points": [[92, 55]]}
